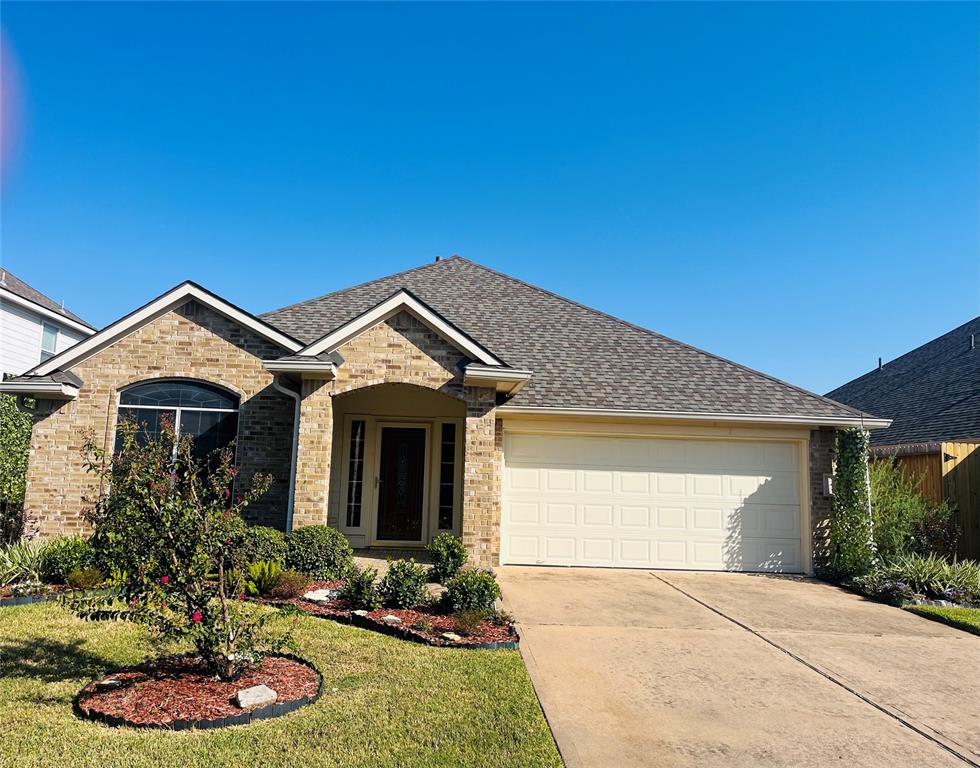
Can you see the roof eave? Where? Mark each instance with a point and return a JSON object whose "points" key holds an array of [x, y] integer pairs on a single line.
{"points": [[42, 390]]}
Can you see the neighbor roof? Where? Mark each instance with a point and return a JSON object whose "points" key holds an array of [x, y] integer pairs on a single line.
{"points": [[19, 288], [580, 358], [932, 393]]}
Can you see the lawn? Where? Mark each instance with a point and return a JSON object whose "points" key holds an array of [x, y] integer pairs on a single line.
{"points": [[967, 619], [386, 702]]}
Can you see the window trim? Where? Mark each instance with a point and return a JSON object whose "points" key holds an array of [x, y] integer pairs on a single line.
{"points": [[49, 352]]}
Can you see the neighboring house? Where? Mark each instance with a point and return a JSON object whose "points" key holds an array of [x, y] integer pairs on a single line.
{"points": [[33, 328], [455, 398], [932, 396]]}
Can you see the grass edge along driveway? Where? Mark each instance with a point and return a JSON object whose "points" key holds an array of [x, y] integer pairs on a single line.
{"points": [[395, 703]]}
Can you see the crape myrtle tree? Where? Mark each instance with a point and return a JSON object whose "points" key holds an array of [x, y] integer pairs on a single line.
{"points": [[170, 532]]}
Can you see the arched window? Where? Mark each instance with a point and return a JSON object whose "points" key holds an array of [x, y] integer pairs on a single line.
{"points": [[205, 411]]}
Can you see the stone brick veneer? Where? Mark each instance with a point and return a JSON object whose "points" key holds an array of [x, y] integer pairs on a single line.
{"points": [[822, 449], [190, 342], [404, 350]]}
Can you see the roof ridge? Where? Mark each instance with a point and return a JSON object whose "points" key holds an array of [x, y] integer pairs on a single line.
{"points": [[640, 328], [427, 265]]}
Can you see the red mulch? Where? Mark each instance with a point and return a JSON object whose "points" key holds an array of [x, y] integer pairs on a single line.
{"points": [[161, 692], [53, 589], [488, 632]]}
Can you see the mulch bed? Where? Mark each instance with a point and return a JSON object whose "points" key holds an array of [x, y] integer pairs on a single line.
{"points": [[423, 624], [7, 596], [176, 693]]}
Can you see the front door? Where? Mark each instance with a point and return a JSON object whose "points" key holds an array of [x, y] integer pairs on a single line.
{"points": [[401, 484]]}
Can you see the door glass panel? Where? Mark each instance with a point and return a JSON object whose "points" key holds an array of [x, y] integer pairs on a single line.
{"points": [[401, 480]]}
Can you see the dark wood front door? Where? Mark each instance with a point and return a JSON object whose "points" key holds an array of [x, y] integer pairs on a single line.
{"points": [[401, 480]]}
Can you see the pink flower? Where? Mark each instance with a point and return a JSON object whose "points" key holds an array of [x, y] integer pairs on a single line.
{"points": [[241, 596], [164, 579], [227, 492], [196, 617]]}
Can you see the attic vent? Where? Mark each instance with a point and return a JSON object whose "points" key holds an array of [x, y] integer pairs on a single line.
{"points": [[189, 310]]}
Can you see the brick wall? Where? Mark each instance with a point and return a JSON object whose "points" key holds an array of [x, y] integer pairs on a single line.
{"points": [[822, 449], [189, 342]]}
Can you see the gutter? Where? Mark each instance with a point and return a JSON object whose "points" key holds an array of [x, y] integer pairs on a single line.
{"points": [[761, 418], [46, 390], [295, 450]]}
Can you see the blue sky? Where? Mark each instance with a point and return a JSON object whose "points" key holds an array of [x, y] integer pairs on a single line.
{"points": [[794, 187]]}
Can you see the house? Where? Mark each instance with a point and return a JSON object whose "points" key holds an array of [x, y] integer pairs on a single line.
{"points": [[33, 327], [452, 397], [932, 396]]}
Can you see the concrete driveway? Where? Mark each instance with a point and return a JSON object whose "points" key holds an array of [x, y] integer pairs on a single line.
{"points": [[667, 668]]}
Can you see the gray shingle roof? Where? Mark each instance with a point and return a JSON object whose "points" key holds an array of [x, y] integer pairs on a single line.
{"points": [[932, 393], [17, 286], [581, 358]]}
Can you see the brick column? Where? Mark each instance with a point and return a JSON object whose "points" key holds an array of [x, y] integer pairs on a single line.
{"points": [[823, 445], [481, 478], [313, 457]]}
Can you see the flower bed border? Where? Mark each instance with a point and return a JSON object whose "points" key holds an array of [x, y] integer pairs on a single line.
{"points": [[10, 602], [245, 718]]}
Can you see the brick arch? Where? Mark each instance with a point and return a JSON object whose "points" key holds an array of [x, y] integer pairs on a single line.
{"points": [[169, 376], [450, 389]]}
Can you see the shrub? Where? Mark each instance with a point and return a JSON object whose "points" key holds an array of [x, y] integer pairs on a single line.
{"points": [[262, 577], [904, 520], [20, 562], [64, 555], [851, 543], [473, 590], [263, 543], [359, 589], [932, 576], [448, 557], [169, 522], [290, 584], [85, 578], [403, 586], [15, 444], [322, 552], [469, 621]]}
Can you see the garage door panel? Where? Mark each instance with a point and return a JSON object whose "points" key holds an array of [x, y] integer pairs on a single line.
{"points": [[678, 504]]}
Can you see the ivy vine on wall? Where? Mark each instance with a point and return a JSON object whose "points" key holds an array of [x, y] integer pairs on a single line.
{"points": [[851, 533]]}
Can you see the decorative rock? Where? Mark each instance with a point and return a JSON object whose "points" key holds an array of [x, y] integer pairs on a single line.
{"points": [[451, 636], [389, 619], [109, 684], [436, 591], [361, 613], [256, 696], [321, 595]]}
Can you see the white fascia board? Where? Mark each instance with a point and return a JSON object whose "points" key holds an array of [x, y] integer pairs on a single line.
{"points": [[171, 300], [510, 380], [761, 418], [390, 307], [324, 369], [44, 390], [66, 322]]}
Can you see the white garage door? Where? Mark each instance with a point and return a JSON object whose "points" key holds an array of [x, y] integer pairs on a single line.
{"points": [[651, 503]]}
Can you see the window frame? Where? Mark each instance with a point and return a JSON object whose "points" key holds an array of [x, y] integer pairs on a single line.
{"points": [[46, 354], [177, 409]]}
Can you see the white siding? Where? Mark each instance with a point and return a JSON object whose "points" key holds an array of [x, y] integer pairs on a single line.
{"points": [[20, 338]]}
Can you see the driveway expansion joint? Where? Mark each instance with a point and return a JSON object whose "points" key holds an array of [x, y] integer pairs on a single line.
{"points": [[941, 740]]}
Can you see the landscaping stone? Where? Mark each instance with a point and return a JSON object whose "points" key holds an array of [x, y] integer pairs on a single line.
{"points": [[436, 591], [451, 636], [389, 619], [109, 684], [256, 696], [361, 613], [322, 595]]}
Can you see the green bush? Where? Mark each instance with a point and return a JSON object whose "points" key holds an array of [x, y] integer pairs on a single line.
{"points": [[85, 578], [932, 576], [904, 520], [64, 555], [448, 557], [322, 552], [472, 590], [263, 543], [851, 544], [263, 577], [290, 584], [15, 444], [403, 586], [359, 589], [20, 562]]}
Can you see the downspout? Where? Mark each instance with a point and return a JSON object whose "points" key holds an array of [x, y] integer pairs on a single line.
{"points": [[292, 459]]}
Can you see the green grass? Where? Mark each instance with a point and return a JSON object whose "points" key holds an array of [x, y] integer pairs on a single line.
{"points": [[967, 619], [395, 704]]}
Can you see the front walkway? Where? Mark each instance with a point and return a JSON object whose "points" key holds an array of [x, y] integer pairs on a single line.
{"points": [[667, 668]]}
